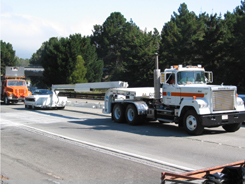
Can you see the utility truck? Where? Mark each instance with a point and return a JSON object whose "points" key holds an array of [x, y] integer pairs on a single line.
{"points": [[13, 86], [180, 95]]}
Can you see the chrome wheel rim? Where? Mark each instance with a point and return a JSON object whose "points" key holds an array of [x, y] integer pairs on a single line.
{"points": [[191, 123], [117, 113], [130, 114]]}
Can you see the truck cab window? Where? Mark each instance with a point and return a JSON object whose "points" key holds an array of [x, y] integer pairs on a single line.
{"points": [[12, 83], [16, 83], [21, 83], [191, 77], [170, 78]]}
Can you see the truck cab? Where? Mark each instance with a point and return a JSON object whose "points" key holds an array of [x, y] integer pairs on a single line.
{"points": [[14, 87], [185, 98], [180, 82], [197, 104]]}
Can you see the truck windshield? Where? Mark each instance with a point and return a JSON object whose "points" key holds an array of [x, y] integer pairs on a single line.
{"points": [[16, 83], [191, 77]]}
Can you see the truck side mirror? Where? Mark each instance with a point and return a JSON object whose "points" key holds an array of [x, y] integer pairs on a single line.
{"points": [[163, 77], [209, 77]]}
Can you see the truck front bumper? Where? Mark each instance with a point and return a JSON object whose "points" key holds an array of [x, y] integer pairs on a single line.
{"points": [[214, 120], [20, 99]]}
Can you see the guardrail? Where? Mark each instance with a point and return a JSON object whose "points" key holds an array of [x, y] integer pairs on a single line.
{"points": [[83, 95]]}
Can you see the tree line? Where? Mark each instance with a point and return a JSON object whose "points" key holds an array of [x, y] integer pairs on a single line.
{"points": [[119, 50]]}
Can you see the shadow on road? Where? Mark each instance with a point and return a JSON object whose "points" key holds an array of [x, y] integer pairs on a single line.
{"points": [[18, 104], [151, 128]]}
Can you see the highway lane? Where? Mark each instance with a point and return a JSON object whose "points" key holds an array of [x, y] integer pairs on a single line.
{"points": [[165, 143], [30, 158]]}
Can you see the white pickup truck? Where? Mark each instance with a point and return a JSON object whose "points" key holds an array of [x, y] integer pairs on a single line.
{"points": [[46, 99]]}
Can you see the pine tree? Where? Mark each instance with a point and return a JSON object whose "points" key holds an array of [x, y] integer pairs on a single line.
{"points": [[211, 48], [179, 38], [79, 73], [7, 56], [108, 41], [235, 47]]}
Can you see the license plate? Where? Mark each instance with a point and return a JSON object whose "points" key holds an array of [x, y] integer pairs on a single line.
{"points": [[224, 117]]}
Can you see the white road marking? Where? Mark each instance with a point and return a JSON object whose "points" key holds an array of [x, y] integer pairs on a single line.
{"points": [[107, 150]]}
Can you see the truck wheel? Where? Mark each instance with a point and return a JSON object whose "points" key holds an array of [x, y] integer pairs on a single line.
{"points": [[232, 127], [6, 100], [132, 116], [118, 113], [192, 123]]}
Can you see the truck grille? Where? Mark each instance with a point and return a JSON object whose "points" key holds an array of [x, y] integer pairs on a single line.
{"points": [[223, 100], [21, 91]]}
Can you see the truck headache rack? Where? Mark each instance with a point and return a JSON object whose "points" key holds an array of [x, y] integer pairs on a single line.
{"points": [[14, 72], [199, 174]]}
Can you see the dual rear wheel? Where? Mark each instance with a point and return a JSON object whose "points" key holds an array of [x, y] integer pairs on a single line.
{"points": [[120, 114]]}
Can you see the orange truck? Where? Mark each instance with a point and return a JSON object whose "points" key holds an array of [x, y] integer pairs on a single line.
{"points": [[13, 86]]}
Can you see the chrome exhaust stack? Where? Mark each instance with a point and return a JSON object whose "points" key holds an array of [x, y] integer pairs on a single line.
{"points": [[157, 76]]}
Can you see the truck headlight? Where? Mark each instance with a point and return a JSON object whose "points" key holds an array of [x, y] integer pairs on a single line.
{"points": [[240, 103], [10, 94], [204, 105]]}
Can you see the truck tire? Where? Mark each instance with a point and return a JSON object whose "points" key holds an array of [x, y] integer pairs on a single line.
{"points": [[192, 123], [6, 100], [118, 113], [132, 116], [232, 127]]}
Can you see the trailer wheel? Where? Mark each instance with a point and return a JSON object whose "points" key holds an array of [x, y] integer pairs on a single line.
{"points": [[192, 123], [132, 116], [232, 127], [118, 113]]}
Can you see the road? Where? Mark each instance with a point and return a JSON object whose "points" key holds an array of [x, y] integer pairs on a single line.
{"points": [[82, 145]]}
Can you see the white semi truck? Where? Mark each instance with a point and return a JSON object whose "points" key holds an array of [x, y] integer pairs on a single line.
{"points": [[180, 95]]}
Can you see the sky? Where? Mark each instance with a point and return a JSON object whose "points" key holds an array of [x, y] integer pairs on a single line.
{"points": [[26, 24]]}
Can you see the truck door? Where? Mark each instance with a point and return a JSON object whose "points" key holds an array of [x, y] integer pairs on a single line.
{"points": [[171, 91]]}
